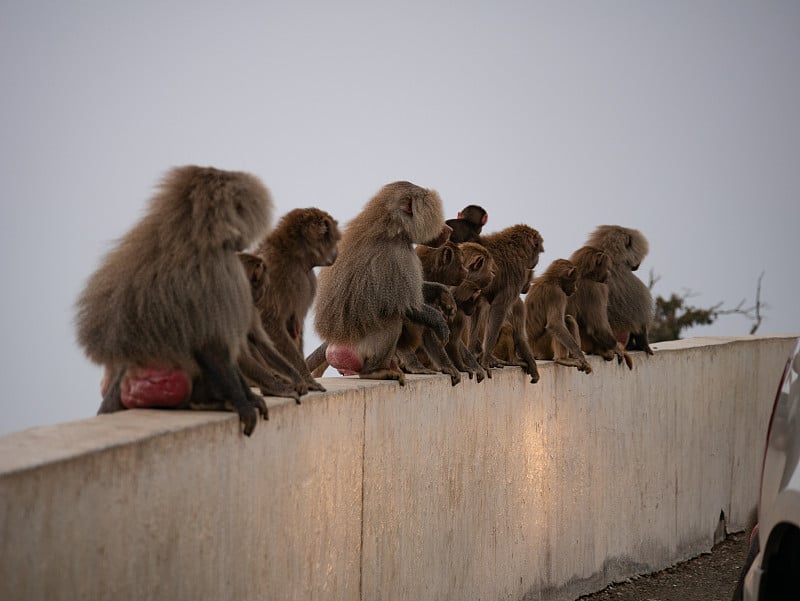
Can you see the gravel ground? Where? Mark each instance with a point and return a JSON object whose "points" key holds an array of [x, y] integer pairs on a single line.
{"points": [[709, 577]]}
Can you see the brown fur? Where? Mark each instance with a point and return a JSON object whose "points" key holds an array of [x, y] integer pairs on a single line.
{"points": [[172, 292], [630, 304], [302, 240], [515, 251], [261, 364], [505, 349], [480, 273], [376, 281], [552, 333], [589, 305], [419, 350], [444, 264]]}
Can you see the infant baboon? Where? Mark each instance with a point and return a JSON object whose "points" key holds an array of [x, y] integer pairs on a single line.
{"points": [[256, 272], [630, 304], [553, 334], [515, 251], [168, 310], [376, 282], [468, 226], [302, 240], [589, 305], [261, 364]]}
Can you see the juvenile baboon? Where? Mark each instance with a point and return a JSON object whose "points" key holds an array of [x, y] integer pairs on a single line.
{"points": [[468, 226], [589, 305], [505, 349], [443, 264], [480, 273], [515, 251], [418, 341], [552, 333], [630, 304], [377, 281], [168, 310], [261, 364], [302, 240]]}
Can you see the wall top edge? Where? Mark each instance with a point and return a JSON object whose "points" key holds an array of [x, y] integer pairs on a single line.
{"points": [[35, 447]]}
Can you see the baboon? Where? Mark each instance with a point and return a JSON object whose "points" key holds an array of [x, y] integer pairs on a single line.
{"points": [[256, 272], [169, 308], [468, 226], [416, 339], [377, 281], [515, 251], [261, 364], [630, 304], [552, 333], [302, 240], [505, 349], [589, 305], [443, 264], [480, 273]]}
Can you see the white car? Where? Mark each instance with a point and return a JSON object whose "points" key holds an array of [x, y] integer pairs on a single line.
{"points": [[773, 569]]}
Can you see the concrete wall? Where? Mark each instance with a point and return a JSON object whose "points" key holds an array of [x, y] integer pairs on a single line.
{"points": [[498, 490]]}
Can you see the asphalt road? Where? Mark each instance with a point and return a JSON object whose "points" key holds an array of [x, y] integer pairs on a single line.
{"points": [[709, 577]]}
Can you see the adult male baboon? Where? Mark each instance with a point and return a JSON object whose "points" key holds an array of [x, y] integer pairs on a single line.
{"points": [[589, 305], [377, 281], [168, 310], [302, 240], [515, 251], [552, 333], [630, 304]]}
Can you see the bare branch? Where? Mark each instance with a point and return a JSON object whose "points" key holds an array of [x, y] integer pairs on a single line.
{"points": [[674, 314], [758, 306], [653, 279]]}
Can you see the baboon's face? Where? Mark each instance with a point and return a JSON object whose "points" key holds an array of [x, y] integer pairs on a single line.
{"points": [[324, 239], [569, 283], [535, 248]]}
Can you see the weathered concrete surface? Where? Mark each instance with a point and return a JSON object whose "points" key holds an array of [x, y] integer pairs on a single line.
{"points": [[499, 490]]}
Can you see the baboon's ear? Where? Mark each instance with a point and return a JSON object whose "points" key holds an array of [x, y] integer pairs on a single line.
{"points": [[407, 205], [447, 255], [477, 264]]}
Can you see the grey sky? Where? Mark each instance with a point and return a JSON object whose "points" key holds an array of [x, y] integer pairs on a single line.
{"points": [[681, 119]]}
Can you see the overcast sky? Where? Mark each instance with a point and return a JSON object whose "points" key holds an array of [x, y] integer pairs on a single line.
{"points": [[681, 119]]}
